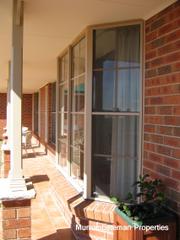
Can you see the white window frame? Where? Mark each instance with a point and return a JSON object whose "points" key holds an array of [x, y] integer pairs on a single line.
{"points": [[88, 113]]}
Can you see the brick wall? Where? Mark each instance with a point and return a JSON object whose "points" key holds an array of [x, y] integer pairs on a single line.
{"points": [[49, 112], [2, 112], [26, 111], [162, 100], [43, 110]]}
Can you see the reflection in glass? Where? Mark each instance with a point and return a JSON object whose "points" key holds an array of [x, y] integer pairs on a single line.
{"points": [[78, 94], [118, 51], [63, 153], [63, 139], [114, 154], [103, 90], [104, 48], [128, 50], [63, 97], [128, 90], [77, 145], [78, 58], [64, 68]]}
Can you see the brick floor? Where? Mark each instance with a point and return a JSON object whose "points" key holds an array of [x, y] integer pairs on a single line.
{"points": [[48, 222]]}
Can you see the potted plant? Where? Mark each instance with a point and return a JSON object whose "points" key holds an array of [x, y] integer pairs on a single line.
{"points": [[143, 215]]}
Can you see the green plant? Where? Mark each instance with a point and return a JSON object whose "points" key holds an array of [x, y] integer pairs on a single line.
{"points": [[147, 203]]}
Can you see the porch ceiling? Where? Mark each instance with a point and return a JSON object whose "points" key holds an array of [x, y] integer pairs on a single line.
{"points": [[49, 26]]}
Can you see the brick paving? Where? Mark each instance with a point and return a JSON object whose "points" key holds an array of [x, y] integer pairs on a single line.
{"points": [[48, 222]]}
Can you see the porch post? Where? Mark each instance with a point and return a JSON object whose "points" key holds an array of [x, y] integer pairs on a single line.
{"points": [[16, 91], [8, 105]]}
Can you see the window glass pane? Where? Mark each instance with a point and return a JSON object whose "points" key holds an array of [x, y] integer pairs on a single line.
{"points": [[64, 68], [103, 90], [118, 88], [114, 154], [53, 97], [104, 48], [77, 162], [53, 128], [128, 46], [128, 94], [36, 112], [77, 128], [63, 126], [78, 58], [63, 97], [63, 140], [78, 94], [77, 145], [63, 153]]}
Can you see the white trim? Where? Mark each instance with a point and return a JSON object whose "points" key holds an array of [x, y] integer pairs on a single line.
{"points": [[88, 116], [46, 113], [39, 113], [159, 9], [33, 112]]}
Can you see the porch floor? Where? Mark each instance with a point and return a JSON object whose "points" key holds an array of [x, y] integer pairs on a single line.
{"points": [[48, 222]]}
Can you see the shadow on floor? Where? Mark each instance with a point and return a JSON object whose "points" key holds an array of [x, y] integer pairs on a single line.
{"points": [[64, 234], [39, 178]]}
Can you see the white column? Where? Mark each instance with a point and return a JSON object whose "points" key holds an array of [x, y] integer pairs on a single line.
{"points": [[16, 93], [8, 117]]}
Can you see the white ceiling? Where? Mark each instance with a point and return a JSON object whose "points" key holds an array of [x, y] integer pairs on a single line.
{"points": [[50, 25]]}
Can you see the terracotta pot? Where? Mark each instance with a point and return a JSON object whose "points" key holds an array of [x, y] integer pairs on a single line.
{"points": [[133, 230]]}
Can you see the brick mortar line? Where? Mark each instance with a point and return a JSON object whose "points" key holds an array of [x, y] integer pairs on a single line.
{"points": [[160, 95], [159, 66], [162, 135], [158, 28], [161, 56], [161, 85], [161, 175], [157, 115], [162, 115], [167, 156], [163, 145], [159, 37], [162, 164], [161, 75]]}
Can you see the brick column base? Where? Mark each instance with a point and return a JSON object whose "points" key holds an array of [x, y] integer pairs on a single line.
{"points": [[16, 219], [6, 157]]}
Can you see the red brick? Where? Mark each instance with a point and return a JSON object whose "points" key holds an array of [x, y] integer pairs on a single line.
{"points": [[16, 223], [24, 233], [156, 158], [175, 46], [163, 150], [172, 141], [163, 170], [169, 27], [176, 174], [9, 234], [165, 130], [23, 212], [149, 128], [176, 153], [149, 146], [9, 213]]}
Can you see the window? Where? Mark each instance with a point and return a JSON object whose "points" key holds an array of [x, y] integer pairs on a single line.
{"points": [[53, 113], [115, 110], [71, 111], [77, 110], [36, 113], [63, 112], [99, 110]]}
